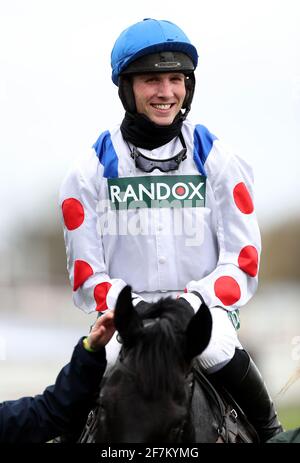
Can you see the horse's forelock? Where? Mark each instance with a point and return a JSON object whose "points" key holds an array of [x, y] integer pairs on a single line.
{"points": [[171, 309], [158, 355]]}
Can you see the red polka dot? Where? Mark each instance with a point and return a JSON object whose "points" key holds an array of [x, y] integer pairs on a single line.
{"points": [[73, 213], [248, 260], [82, 271], [227, 290], [100, 293], [242, 198]]}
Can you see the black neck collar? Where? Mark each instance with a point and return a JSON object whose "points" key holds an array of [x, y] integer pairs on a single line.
{"points": [[140, 131]]}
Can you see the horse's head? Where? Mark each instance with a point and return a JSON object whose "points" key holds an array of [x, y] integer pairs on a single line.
{"points": [[145, 397]]}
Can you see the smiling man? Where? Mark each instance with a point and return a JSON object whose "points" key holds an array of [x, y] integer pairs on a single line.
{"points": [[161, 204]]}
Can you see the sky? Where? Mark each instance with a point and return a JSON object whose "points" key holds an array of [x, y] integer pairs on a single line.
{"points": [[56, 95]]}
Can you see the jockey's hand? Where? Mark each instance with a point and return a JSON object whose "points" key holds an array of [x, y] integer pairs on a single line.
{"points": [[193, 298], [102, 331]]}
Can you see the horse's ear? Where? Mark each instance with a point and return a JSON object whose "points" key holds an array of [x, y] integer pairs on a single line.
{"points": [[198, 332], [126, 319]]}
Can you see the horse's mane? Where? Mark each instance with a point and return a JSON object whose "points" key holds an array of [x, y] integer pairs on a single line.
{"points": [[158, 354]]}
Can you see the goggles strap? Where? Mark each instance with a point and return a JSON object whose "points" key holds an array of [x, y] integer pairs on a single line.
{"points": [[147, 164]]}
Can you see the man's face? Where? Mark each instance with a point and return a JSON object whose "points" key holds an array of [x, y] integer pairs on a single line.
{"points": [[159, 95]]}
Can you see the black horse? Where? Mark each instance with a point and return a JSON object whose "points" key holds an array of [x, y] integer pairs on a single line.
{"points": [[156, 391]]}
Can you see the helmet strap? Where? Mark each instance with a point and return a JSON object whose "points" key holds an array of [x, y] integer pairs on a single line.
{"points": [[126, 94]]}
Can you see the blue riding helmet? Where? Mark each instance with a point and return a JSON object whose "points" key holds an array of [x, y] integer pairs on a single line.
{"points": [[152, 46], [147, 37]]}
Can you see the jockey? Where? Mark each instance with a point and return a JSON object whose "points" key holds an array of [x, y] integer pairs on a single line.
{"points": [[162, 204]]}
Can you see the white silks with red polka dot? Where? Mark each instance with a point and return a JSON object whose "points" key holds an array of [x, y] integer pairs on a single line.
{"points": [[213, 249]]}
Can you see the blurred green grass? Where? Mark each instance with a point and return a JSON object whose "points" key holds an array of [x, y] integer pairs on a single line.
{"points": [[289, 416]]}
